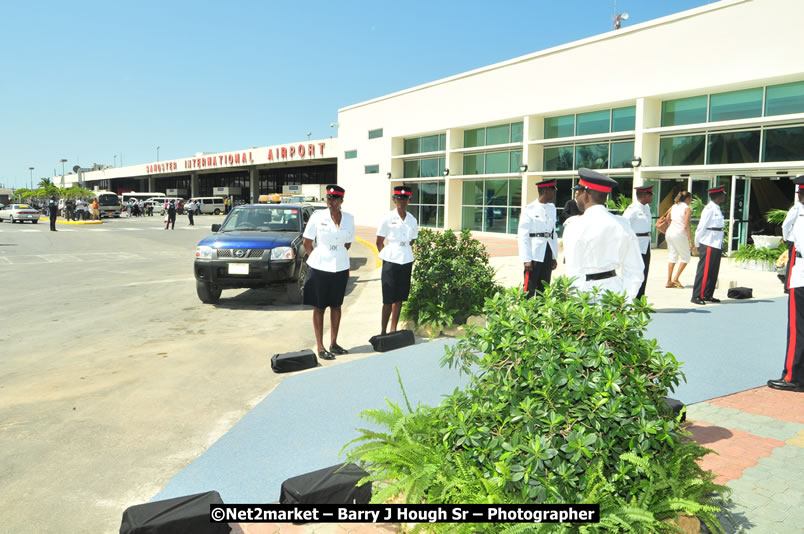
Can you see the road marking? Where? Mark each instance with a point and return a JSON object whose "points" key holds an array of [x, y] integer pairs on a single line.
{"points": [[159, 282], [30, 230], [4, 258]]}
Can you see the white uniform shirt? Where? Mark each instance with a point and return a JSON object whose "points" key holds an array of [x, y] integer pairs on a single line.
{"points": [[597, 242], [639, 217], [398, 235], [537, 218], [797, 237], [711, 217], [790, 221], [329, 253]]}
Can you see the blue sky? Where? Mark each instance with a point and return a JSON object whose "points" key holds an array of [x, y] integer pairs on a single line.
{"points": [[101, 82]]}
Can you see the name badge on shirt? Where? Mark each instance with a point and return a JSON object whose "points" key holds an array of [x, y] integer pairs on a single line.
{"points": [[333, 247]]}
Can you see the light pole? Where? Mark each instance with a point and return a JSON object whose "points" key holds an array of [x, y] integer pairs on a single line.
{"points": [[157, 154], [63, 161], [115, 160], [31, 169]]}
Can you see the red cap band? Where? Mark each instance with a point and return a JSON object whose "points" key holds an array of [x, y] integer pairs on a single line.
{"points": [[546, 184], [718, 190], [595, 187], [336, 193], [406, 193]]}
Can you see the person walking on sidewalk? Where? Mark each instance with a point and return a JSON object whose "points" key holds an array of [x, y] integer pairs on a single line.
{"points": [[639, 217], [536, 236], [597, 243], [709, 240], [53, 213], [679, 238], [395, 235], [333, 231], [171, 216], [793, 373]]}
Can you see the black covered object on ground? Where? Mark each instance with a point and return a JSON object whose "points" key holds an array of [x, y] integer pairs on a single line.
{"points": [[293, 361], [392, 341], [182, 515], [332, 485], [676, 406], [740, 293]]}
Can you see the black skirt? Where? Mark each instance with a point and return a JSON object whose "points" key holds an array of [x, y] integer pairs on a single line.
{"points": [[395, 281], [324, 289]]}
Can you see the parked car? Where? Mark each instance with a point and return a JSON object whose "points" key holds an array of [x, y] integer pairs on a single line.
{"points": [[257, 245], [19, 213], [210, 205]]}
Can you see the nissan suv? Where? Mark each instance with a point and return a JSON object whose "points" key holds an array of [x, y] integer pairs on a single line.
{"points": [[257, 245]]}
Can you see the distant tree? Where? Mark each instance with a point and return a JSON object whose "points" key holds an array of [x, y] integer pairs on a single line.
{"points": [[44, 183]]}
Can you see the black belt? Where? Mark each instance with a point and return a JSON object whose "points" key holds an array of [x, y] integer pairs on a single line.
{"points": [[601, 276], [543, 234], [645, 234], [715, 229]]}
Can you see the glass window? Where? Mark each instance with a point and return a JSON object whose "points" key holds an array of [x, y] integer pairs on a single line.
{"points": [[442, 164], [429, 192], [516, 132], [412, 146], [429, 167], [474, 163], [442, 142], [414, 190], [621, 155], [472, 218], [558, 158], [733, 147], [496, 192], [784, 144], [496, 219], [516, 160], [497, 162], [559, 126], [412, 169], [372, 169], [515, 193], [684, 111], [350, 154], [623, 119], [374, 134], [498, 135], [682, 150], [476, 137], [430, 143], [593, 122], [735, 105], [473, 193], [441, 190], [784, 99], [428, 216], [592, 156], [513, 219]]}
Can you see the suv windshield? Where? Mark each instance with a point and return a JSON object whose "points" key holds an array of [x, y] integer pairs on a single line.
{"points": [[108, 200], [265, 219]]}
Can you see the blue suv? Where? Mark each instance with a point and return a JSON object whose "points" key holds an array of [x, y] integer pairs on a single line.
{"points": [[256, 246]]}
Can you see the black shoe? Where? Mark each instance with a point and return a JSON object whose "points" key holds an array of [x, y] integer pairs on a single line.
{"points": [[784, 385], [696, 300], [326, 355], [713, 299], [337, 349]]}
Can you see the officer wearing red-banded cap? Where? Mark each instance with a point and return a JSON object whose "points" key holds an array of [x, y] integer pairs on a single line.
{"points": [[598, 244], [538, 244], [793, 373], [395, 235], [709, 240], [639, 217]]}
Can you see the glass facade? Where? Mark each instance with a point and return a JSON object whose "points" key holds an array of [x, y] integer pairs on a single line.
{"points": [[428, 143], [424, 168], [623, 119], [621, 155], [492, 205], [493, 135], [427, 203], [594, 122], [783, 144], [592, 156], [350, 154], [733, 147], [682, 150], [784, 99], [563, 126], [559, 158], [374, 134], [492, 162], [271, 180], [684, 111], [372, 169], [735, 105]]}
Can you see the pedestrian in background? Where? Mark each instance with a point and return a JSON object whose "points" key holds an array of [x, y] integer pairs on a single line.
{"points": [[639, 217], [536, 236], [171, 216], [190, 208], [571, 208], [395, 236], [709, 240], [95, 209], [53, 213], [679, 238], [333, 231]]}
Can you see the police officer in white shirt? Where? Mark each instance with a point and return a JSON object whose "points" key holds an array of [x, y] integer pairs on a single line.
{"points": [[333, 231], [639, 217], [709, 240], [793, 373], [538, 243], [787, 234], [395, 235], [597, 243]]}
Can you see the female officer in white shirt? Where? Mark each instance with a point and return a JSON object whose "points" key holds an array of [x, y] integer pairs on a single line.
{"points": [[333, 232], [395, 235]]}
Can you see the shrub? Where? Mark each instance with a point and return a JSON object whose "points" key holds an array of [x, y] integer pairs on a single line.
{"points": [[750, 252], [565, 405], [451, 278]]}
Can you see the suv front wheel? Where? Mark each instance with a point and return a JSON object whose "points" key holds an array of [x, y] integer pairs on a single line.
{"points": [[208, 293], [295, 289]]}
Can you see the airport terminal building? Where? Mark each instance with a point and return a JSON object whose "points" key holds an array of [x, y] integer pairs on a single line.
{"points": [[712, 95]]}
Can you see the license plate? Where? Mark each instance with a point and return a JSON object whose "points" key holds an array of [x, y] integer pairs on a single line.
{"points": [[29, 216], [238, 268]]}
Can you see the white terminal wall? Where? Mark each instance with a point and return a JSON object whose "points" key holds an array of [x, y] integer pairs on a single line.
{"points": [[727, 45]]}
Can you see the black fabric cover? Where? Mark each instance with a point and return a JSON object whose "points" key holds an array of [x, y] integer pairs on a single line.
{"points": [[331, 485], [676, 406], [293, 361], [392, 341], [740, 293], [182, 515]]}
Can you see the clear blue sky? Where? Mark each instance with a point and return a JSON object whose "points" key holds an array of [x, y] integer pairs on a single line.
{"points": [[87, 81]]}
